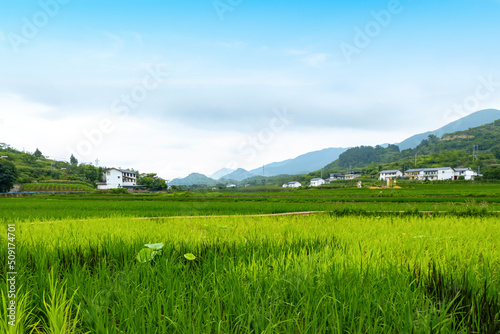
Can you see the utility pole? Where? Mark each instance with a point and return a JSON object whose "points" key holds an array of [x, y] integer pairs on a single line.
{"points": [[475, 152], [97, 162], [415, 159]]}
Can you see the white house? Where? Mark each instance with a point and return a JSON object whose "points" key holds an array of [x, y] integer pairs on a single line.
{"points": [[317, 182], [431, 174], [293, 184], [117, 178], [439, 173], [352, 176], [231, 185], [385, 174], [467, 173]]}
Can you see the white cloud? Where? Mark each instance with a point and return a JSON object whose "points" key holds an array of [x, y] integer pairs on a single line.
{"points": [[316, 59]]}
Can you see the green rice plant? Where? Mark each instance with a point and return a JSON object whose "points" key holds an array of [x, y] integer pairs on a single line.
{"points": [[308, 274], [23, 320], [61, 314]]}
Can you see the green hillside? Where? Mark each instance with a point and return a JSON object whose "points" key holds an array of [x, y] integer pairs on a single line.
{"points": [[33, 167], [453, 149]]}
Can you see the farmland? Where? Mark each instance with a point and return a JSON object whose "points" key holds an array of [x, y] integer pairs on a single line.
{"points": [[376, 261], [56, 187]]}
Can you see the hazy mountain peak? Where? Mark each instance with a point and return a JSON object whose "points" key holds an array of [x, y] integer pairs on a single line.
{"points": [[221, 173], [238, 175]]}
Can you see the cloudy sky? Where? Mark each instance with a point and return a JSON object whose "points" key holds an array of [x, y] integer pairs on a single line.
{"points": [[176, 87]]}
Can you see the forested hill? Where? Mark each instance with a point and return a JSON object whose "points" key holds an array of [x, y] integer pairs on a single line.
{"points": [[35, 166], [452, 149]]}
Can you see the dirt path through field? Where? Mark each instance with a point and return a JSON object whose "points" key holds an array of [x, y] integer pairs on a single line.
{"points": [[303, 213]]}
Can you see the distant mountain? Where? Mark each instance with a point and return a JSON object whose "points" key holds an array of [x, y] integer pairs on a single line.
{"points": [[326, 158], [193, 178], [238, 175], [476, 119], [302, 164], [221, 173]]}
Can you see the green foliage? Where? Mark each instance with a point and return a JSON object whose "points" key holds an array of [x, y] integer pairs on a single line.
{"points": [[149, 253], [152, 182], [8, 175], [56, 186], [24, 314], [492, 173], [38, 153], [118, 191], [360, 156], [59, 308], [496, 151], [33, 167], [73, 160]]}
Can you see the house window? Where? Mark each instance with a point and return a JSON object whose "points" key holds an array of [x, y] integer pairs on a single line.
{"points": [[118, 176]]}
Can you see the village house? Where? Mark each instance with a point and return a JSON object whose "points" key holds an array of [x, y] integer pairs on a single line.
{"points": [[317, 182], [293, 184], [352, 176], [467, 173], [114, 178], [431, 174], [386, 174], [413, 174], [335, 177]]}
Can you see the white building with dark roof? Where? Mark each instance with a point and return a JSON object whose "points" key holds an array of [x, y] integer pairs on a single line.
{"points": [[113, 178], [386, 174]]}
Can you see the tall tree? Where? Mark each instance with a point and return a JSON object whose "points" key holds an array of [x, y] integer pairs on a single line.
{"points": [[8, 175], [37, 153], [73, 160]]}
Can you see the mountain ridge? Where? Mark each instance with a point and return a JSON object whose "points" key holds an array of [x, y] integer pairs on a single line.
{"points": [[324, 159], [473, 120]]}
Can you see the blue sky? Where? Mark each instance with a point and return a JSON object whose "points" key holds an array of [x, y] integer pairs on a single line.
{"points": [[227, 73]]}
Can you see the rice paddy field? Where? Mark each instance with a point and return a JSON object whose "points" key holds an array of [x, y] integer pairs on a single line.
{"points": [[418, 260]]}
